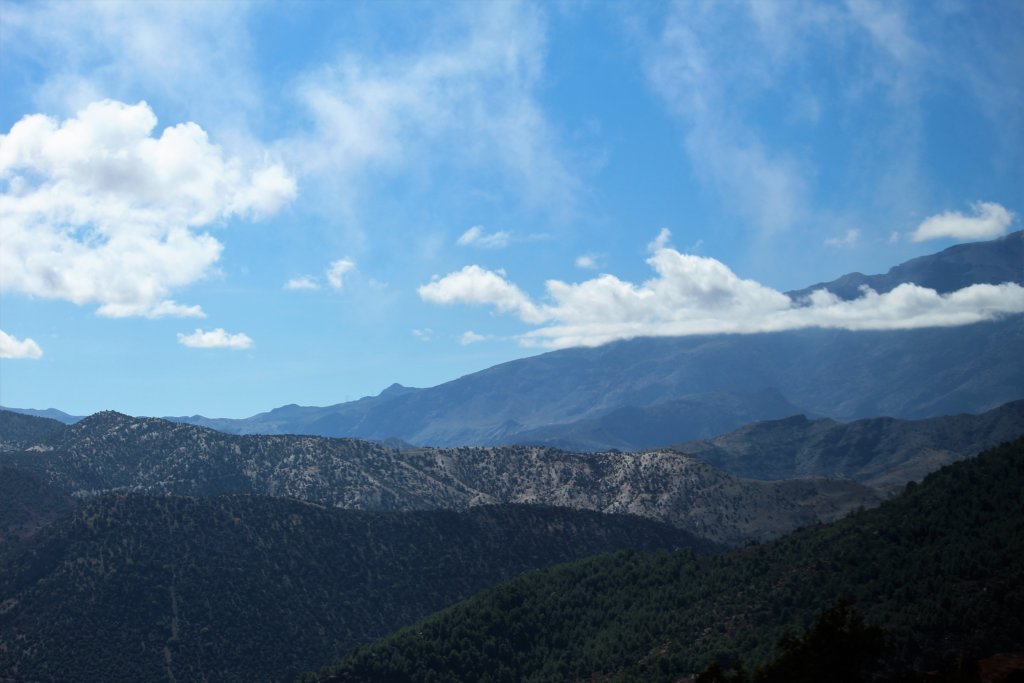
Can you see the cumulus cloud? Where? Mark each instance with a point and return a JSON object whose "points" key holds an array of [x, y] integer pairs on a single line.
{"points": [[476, 285], [96, 209], [336, 272], [988, 220], [215, 339], [476, 237], [470, 337], [588, 261], [700, 295], [12, 347], [302, 282]]}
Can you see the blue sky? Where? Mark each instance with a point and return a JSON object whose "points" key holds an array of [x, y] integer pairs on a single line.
{"points": [[221, 208]]}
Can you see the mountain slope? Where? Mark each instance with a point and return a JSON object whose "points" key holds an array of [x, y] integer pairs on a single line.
{"points": [[242, 588], [881, 452], [938, 567], [844, 375], [111, 452], [51, 413], [19, 431], [27, 504], [682, 389]]}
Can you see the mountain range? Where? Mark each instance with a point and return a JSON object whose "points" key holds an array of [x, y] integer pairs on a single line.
{"points": [[752, 484], [651, 392], [110, 452]]}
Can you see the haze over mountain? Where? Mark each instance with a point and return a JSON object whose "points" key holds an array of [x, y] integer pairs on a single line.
{"points": [[651, 392], [113, 452]]}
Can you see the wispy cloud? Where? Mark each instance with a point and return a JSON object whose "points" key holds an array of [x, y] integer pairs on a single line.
{"points": [[849, 239], [304, 282], [988, 220], [12, 347], [587, 261], [96, 209], [195, 55], [696, 71], [215, 339], [337, 270], [476, 237], [699, 295], [473, 99]]}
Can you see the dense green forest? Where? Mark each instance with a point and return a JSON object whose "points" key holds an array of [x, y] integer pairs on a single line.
{"points": [[246, 588], [27, 504], [937, 568]]}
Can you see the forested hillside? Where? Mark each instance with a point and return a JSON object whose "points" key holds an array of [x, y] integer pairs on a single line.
{"points": [[938, 567], [244, 588]]}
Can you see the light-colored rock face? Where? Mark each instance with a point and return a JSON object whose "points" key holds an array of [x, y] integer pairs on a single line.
{"points": [[114, 452]]}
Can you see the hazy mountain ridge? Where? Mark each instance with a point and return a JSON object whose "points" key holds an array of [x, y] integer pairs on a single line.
{"points": [[938, 567], [51, 413], [234, 588], [113, 452], [688, 388], [884, 453], [909, 374]]}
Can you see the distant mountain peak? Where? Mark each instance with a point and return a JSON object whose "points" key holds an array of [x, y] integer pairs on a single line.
{"points": [[962, 265], [396, 389]]}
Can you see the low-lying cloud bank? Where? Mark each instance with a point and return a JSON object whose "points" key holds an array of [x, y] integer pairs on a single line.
{"points": [[699, 295]]}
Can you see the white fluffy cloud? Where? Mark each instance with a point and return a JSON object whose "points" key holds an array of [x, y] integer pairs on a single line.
{"points": [[698, 295], [476, 285], [96, 209], [476, 237], [336, 272], [470, 337], [12, 347], [988, 220], [215, 339]]}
